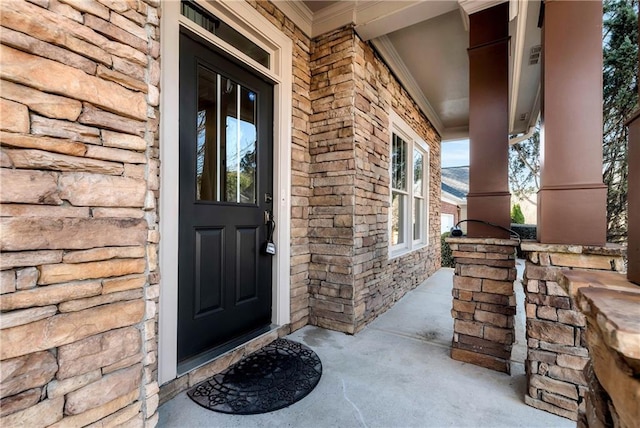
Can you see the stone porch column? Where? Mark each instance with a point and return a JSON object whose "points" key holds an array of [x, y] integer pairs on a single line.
{"points": [[484, 304], [489, 197], [613, 331], [572, 197], [556, 350]]}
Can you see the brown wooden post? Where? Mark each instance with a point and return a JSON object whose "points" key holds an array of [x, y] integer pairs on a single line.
{"points": [[489, 198], [572, 197], [633, 194]]}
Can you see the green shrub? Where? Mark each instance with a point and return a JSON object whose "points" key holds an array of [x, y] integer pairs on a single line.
{"points": [[445, 251], [525, 231], [516, 214]]}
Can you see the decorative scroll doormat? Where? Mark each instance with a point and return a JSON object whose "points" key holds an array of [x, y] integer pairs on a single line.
{"points": [[272, 378]]}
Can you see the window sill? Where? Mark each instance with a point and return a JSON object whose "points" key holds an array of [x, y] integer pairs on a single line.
{"points": [[404, 251]]}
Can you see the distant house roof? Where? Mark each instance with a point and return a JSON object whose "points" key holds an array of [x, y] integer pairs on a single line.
{"points": [[455, 182]]}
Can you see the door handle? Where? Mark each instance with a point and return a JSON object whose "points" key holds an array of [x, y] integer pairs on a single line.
{"points": [[269, 247]]}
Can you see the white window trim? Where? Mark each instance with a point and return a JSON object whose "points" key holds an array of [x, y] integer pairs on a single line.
{"points": [[401, 128], [244, 18]]}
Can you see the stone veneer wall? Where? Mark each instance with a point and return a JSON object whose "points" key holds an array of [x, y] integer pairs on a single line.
{"points": [[484, 303], [380, 282], [332, 168], [557, 352], [79, 170], [300, 161], [352, 279]]}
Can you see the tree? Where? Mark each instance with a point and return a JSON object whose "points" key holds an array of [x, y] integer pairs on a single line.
{"points": [[524, 168], [620, 96], [516, 214]]}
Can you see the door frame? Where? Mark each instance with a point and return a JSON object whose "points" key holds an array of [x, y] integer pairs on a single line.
{"points": [[248, 21]]}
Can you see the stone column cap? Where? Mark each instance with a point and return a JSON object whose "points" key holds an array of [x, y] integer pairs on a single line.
{"points": [[572, 280], [613, 308], [609, 249], [482, 241]]}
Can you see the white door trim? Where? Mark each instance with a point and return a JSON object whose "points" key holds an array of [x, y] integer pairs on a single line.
{"points": [[244, 18]]}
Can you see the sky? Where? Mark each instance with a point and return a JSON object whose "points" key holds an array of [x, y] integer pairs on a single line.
{"points": [[455, 153]]}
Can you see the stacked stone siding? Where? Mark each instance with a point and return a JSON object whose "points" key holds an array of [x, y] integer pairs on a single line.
{"points": [[557, 352], [331, 155], [380, 282], [352, 279], [484, 302], [79, 172], [332, 205], [300, 162]]}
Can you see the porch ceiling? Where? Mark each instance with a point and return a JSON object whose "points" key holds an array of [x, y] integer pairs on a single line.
{"points": [[425, 44]]}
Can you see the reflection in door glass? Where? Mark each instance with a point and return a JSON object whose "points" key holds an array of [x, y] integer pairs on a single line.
{"points": [[227, 140], [207, 153]]}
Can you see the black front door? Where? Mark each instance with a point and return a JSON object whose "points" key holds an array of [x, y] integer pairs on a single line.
{"points": [[224, 276]]}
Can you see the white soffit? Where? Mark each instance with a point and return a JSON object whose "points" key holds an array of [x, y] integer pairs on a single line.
{"points": [[334, 16], [473, 6], [425, 43], [316, 17], [388, 52], [525, 88], [435, 54], [372, 18], [448, 197], [380, 18]]}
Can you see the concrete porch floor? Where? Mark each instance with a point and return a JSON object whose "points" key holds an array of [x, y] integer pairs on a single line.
{"points": [[395, 373]]}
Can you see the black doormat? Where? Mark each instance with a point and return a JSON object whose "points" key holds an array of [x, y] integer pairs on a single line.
{"points": [[272, 378]]}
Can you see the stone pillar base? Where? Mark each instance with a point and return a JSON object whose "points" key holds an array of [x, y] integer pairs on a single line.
{"points": [[573, 215], [483, 301], [556, 351]]}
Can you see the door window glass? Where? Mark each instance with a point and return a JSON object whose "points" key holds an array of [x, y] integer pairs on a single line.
{"points": [[227, 140]]}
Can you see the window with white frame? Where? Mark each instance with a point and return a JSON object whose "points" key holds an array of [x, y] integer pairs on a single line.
{"points": [[408, 216]]}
